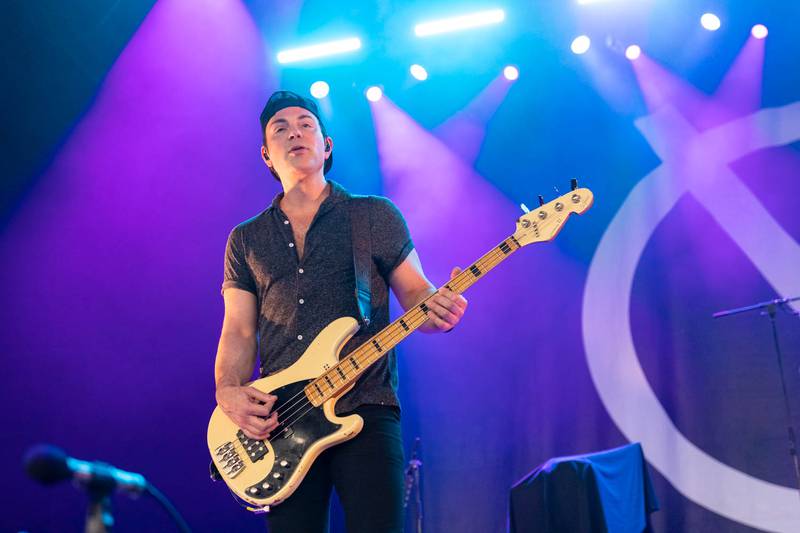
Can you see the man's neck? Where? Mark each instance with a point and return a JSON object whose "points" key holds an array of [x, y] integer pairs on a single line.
{"points": [[304, 195]]}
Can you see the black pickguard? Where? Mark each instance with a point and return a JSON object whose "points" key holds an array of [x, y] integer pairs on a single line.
{"points": [[300, 425]]}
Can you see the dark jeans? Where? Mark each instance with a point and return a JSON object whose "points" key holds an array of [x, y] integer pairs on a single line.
{"points": [[367, 473]]}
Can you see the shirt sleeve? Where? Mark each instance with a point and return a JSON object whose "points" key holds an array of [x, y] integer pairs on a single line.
{"points": [[391, 240], [237, 273]]}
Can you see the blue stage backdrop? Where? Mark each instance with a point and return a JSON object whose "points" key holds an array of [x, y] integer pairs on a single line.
{"points": [[111, 260]]}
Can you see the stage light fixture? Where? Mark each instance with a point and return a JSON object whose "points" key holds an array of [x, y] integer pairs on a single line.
{"points": [[759, 31], [580, 44], [633, 52], [320, 89], [419, 72], [374, 93], [710, 21], [462, 22], [511, 72], [319, 50]]}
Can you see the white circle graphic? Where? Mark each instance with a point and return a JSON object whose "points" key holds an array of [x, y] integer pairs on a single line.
{"points": [[692, 163]]}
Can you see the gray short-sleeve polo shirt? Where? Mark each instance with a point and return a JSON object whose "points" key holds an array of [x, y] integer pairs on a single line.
{"points": [[297, 298]]}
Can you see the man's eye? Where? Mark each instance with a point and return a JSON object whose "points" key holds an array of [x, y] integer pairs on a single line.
{"points": [[306, 125], [279, 130]]}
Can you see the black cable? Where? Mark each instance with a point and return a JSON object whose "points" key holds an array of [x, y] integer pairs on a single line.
{"points": [[166, 504]]}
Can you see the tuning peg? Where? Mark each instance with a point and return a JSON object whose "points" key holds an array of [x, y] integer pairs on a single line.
{"points": [[541, 200], [573, 183], [524, 208]]}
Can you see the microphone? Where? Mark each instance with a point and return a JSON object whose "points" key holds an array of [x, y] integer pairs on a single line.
{"points": [[49, 464]]}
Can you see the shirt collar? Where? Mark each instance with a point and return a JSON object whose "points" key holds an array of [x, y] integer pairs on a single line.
{"points": [[337, 194]]}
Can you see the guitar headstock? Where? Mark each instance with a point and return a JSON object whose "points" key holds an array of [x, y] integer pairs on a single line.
{"points": [[544, 223]]}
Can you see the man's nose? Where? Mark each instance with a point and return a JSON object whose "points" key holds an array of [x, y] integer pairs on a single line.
{"points": [[295, 131]]}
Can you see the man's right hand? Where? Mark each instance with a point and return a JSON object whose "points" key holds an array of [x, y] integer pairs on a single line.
{"points": [[248, 408]]}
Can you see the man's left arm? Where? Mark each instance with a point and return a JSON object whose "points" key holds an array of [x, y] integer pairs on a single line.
{"points": [[411, 287]]}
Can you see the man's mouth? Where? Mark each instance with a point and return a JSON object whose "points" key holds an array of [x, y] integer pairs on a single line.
{"points": [[298, 148]]}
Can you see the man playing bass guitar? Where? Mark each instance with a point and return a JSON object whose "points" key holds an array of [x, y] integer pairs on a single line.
{"points": [[289, 271]]}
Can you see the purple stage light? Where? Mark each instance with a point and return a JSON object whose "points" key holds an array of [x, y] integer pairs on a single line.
{"points": [[759, 31], [739, 93], [633, 52], [464, 132]]}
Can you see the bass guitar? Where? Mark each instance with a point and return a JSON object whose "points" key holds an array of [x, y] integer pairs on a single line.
{"points": [[266, 472]]}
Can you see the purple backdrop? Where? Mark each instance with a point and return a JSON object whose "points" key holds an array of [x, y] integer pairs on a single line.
{"points": [[112, 264]]}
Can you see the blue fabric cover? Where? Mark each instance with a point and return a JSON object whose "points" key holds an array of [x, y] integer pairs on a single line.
{"points": [[609, 491]]}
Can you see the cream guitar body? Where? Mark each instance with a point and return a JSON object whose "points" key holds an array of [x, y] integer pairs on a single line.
{"points": [[265, 473]]}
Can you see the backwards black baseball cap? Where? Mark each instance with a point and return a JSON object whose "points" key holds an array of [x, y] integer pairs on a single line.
{"points": [[283, 99]]}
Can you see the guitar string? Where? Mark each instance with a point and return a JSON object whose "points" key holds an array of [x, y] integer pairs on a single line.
{"points": [[300, 404]]}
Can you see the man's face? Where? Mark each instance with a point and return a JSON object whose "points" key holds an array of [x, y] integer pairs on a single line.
{"points": [[294, 142]]}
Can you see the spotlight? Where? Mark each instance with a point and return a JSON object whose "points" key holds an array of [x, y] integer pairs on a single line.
{"points": [[374, 93], [319, 50], [633, 52], [580, 44], [759, 31], [419, 72], [473, 20], [710, 21], [511, 73], [319, 89]]}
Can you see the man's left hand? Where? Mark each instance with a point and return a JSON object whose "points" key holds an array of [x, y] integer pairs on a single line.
{"points": [[447, 307]]}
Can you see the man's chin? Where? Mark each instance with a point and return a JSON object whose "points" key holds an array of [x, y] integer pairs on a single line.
{"points": [[305, 171]]}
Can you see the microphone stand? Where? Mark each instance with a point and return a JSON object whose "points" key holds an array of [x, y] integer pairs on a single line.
{"points": [[98, 515], [412, 482], [770, 309]]}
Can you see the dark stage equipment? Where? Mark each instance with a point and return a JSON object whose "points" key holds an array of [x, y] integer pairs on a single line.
{"points": [[605, 491]]}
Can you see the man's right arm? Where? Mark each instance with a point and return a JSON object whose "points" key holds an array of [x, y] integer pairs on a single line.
{"points": [[246, 406]]}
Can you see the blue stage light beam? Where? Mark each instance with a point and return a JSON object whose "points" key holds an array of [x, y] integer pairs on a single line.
{"points": [[461, 22], [319, 50]]}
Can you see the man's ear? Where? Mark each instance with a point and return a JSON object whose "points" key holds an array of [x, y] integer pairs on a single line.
{"points": [[265, 156]]}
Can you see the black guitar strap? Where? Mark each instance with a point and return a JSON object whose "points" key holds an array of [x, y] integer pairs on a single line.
{"points": [[362, 255]]}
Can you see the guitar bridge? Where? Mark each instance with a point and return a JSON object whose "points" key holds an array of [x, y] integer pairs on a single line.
{"points": [[228, 457]]}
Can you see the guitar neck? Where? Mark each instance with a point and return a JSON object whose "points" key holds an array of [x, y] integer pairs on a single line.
{"points": [[347, 371]]}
